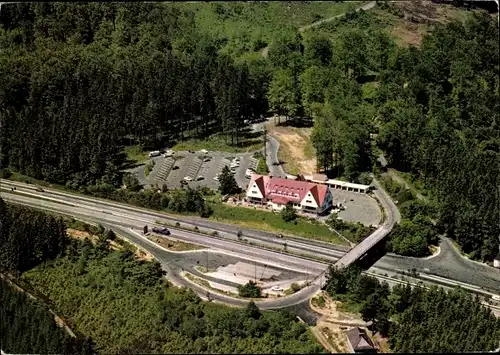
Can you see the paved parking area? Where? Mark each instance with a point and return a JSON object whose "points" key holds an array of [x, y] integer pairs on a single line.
{"points": [[193, 165], [363, 208], [183, 161]]}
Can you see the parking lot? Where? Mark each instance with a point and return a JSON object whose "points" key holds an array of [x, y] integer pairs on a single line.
{"points": [[363, 208], [200, 167]]}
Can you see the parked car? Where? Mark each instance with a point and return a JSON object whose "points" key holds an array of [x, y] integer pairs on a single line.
{"points": [[154, 153], [175, 167], [200, 178], [276, 288], [216, 177], [168, 153], [183, 182], [207, 160], [162, 230], [188, 178], [204, 151]]}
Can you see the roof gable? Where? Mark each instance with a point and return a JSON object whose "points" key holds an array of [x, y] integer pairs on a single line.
{"points": [[292, 190]]}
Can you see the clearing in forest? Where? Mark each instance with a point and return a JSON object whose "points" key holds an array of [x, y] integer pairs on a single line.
{"points": [[296, 150], [331, 325]]}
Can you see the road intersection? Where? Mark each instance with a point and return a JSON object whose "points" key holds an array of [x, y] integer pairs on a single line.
{"points": [[313, 255]]}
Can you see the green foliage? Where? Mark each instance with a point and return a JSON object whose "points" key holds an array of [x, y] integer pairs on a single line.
{"points": [[262, 167], [179, 201], [250, 290], [283, 94], [412, 238], [126, 307], [273, 222], [227, 183], [355, 232], [149, 167], [288, 213], [28, 237], [98, 78], [5, 173], [29, 328], [416, 319], [131, 182], [438, 112]]}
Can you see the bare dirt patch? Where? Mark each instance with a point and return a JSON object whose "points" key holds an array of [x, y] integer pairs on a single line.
{"points": [[331, 326], [418, 18], [295, 149]]}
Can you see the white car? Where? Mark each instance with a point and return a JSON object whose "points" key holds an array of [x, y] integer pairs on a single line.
{"points": [[155, 153], [204, 151], [168, 153], [216, 178], [276, 288], [496, 298], [188, 178]]}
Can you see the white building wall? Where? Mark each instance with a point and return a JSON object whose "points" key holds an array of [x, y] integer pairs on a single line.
{"points": [[253, 191], [309, 201]]}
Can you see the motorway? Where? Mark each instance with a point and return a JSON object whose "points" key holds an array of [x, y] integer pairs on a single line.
{"points": [[448, 263]]}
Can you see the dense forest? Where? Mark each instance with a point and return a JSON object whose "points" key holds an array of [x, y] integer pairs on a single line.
{"points": [[417, 319], [28, 237], [124, 304], [78, 82], [27, 327]]}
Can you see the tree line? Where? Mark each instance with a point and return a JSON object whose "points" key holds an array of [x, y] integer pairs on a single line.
{"points": [[122, 303], [95, 77], [28, 237], [416, 319], [29, 328], [438, 111], [82, 80]]}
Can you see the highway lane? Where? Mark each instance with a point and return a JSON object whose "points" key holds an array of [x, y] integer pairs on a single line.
{"points": [[174, 269], [454, 267], [463, 271]]}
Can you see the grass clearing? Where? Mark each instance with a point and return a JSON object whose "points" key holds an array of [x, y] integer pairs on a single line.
{"points": [[174, 244], [246, 28], [135, 153], [272, 222], [217, 143]]}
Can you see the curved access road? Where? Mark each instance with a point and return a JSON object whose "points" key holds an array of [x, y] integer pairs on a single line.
{"points": [[459, 270]]}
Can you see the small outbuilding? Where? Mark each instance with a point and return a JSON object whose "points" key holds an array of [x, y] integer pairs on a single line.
{"points": [[359, 341]]}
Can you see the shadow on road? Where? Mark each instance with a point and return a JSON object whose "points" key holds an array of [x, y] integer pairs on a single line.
{"points": [[373, 255]]}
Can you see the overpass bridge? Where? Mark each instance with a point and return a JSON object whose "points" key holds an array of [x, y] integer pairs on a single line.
{"points": [[393, 217]]}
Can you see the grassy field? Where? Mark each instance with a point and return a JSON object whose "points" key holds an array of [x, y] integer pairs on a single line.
{"points": [[272, 222], [246, 28], [135, 153], [218, 144]]}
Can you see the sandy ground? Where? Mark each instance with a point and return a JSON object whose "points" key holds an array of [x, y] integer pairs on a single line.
{"points": [[293, 142], [332, 324]]}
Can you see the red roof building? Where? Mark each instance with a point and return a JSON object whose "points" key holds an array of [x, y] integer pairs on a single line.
{"points": [[277, 192]]}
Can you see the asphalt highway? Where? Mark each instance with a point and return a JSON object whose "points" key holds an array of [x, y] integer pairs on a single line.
{"points": [[449, 263]]}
